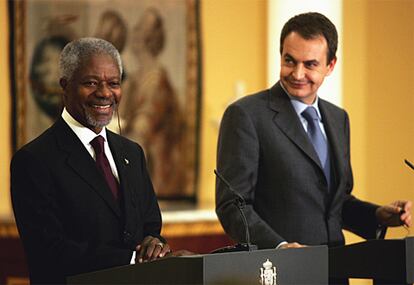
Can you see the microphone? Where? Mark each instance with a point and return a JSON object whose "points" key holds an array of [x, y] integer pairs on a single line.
{"points": [[409, 164], [240, 203], [119, 121]]}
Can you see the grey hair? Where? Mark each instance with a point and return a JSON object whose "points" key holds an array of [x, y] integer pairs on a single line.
{"points": [[81, 49]]}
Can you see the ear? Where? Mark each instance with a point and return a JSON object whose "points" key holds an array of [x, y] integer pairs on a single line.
{"points": [[331, 66], [63, 83]]}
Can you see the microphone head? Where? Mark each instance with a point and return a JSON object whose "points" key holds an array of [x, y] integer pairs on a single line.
{"points": [[409, 164]]}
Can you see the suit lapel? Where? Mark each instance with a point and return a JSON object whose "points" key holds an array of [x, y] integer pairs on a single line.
{"points": [[334, 128], [288, 122], [80, 161], [125, 168], [122, 162]]}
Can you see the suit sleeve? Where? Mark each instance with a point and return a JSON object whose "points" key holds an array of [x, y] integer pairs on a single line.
{"points": [[151, 215], [238, 163], [358, 216]]}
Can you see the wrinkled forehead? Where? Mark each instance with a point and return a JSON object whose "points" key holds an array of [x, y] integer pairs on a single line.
{"points": [[98, 64]]}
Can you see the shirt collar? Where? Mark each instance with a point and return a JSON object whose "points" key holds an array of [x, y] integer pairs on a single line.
{"points": [[299, 106], [85, 134]]}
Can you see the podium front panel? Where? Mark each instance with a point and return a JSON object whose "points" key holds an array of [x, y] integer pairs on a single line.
{"points": [[268, 267], [289, 266], [387, 261], [175, 270]]}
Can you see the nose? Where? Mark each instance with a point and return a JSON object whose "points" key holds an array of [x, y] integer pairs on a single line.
{"points": [[298, 72], [103, 90]]}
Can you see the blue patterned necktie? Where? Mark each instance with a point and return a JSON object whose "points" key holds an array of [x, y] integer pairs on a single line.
{"points": [[318, 140]]}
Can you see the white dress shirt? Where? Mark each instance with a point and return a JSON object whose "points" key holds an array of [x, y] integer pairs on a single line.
{"points": [[86, 135]]}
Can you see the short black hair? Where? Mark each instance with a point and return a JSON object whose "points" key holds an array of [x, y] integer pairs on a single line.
{"points": [[309, 26]]}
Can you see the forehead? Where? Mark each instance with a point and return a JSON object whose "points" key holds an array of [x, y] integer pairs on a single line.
{"points": [[305, 49], [97, 65]]}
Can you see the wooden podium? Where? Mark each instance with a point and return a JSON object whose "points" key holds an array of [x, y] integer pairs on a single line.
{"points": [[384, 261], [284, 266]]}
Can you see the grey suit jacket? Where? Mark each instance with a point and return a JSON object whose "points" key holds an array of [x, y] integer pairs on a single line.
{"points": [[67, 217], [265, 154]]}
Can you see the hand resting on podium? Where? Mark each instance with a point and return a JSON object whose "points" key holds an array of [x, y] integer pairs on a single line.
{"points": [[291, 245], [180, 252], [150, 249]]}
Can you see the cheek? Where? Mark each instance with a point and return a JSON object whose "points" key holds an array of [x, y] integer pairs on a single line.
{"points": [[84, 95], [284, 71], [315, 77], [118, 96], [319, 75]]}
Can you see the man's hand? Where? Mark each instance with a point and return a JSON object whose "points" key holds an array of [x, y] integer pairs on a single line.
{"points": [[180, 252], [292, 245], [150, 249], [396, 214]]}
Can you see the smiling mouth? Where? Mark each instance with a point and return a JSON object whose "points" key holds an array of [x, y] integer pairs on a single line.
{"points": [[102, 106], [102, 109], [297, 84]]}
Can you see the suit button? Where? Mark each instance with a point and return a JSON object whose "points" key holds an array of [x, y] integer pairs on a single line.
{"points": [[127, 236]]}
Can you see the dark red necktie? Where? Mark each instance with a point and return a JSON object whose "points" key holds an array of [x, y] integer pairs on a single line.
{"points": [[103, 165]]}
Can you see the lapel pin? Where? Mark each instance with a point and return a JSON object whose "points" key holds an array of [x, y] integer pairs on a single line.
{"points": [[126, 161]]}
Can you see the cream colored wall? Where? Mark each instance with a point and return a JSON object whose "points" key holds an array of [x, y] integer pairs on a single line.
{"points": [[5, 144], [234, 50]]}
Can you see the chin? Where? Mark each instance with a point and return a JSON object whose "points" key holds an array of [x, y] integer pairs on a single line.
{"points": [[303, 97], [98, 123], [296, 93]]}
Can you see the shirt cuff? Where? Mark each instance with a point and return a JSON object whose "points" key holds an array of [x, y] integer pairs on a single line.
{"points": [[134, 254], [280, 244]]}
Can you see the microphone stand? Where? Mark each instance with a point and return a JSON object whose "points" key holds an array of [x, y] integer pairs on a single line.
{"points": [[240, 203]]}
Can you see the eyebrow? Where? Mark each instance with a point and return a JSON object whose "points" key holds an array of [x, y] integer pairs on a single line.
{"points": [[307, 62], [290, 57], [312, 61]]}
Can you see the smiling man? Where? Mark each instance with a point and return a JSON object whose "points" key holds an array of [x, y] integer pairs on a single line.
{"points": [[286, 151], [82, 196]]}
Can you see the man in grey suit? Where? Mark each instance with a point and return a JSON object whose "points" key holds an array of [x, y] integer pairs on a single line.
{"points": [[82, 196], [286, 152]]}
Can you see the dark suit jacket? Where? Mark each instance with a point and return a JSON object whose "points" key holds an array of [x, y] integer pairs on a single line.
{"points": [[67, 217], [265, 154]]}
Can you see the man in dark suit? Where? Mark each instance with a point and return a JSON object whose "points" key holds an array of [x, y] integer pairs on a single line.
{"points": [[286, 152], [82, 205]]}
